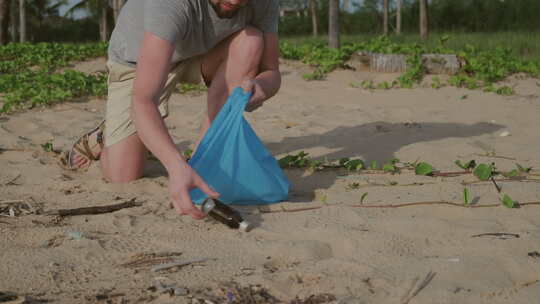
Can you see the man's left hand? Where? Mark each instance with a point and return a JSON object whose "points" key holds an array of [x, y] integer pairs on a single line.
{"points": [[258, 96]]}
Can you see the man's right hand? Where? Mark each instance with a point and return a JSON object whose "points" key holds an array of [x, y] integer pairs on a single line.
{"points": [[180, 183]]}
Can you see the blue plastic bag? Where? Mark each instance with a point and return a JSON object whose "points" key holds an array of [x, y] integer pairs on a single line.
{"points": [[233, 161]]}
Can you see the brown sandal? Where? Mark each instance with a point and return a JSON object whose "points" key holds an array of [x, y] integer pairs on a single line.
{"points": [[82, 147]]}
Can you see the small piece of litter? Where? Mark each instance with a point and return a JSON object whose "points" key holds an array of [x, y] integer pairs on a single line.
{"points": [[534, 254], [75, 235], [181, 291], [504, 134]]}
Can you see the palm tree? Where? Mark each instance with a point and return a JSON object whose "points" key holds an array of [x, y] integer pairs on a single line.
{"points": [[385, 17], [314, 17], [4, 21], [22, 21], [97, 9], [423, 19], [117, 5], [398, 17], [333, 24]]}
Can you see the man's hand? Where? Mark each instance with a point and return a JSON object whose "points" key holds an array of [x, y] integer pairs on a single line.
{"points": [[180, 183], [257, 98]]}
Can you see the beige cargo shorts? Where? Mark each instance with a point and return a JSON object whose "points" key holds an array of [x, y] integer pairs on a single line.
{"points": [[118, 122]]}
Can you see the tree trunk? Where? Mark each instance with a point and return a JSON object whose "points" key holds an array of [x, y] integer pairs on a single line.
{"points": [[398, 17], [22, 21], [314, 17], [423, 19], [117, 6], [333, 24], [385, 17], [13, 21], [4, 21], [346, 5], [103, 30]]}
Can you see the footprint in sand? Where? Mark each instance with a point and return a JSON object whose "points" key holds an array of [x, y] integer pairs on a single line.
{"points": [[299, 250]]}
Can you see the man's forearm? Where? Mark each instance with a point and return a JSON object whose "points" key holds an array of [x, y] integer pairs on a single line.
{"points": [[154, 134], [270, 82]]}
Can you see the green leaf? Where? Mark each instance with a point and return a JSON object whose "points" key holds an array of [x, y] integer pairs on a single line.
{"points": [[508, 201], [522, 169], [389, 168], [423, 169], [353, 186], [459, 164], [483, 171], [466, 197], [374, 165], [343, 161], [354, 165], [188, 153], [512, 173], [285, 161], [47, 147], [363, 197], [467, 166]]}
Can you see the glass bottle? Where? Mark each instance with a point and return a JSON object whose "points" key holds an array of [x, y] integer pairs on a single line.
{"points": [[224, 214]]}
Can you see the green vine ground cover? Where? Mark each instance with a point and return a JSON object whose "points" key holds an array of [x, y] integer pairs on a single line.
{"points": [[484, 172], [30, 76], [482, 68]]}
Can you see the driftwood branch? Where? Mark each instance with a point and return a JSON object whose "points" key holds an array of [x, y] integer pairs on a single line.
{"points": [[96, 209]]}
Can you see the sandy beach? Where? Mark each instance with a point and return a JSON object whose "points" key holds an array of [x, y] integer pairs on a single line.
{"points": [[320, 246]]}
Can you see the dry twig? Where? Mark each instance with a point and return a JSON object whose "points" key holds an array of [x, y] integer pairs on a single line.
{"points": [[95, 209], [422, 285], [12, 181], [150, 259], [178, 264]]}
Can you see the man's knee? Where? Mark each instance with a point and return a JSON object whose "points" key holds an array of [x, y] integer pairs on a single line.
{"points": [[248, 42]]}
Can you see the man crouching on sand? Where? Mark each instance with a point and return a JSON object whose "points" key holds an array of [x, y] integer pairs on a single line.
{"points": [[155, 45]]}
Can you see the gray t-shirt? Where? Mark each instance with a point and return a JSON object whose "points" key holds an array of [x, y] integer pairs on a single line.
{"points": [[191, 25]]}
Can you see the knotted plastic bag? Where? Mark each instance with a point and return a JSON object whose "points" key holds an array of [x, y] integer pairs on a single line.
{"points": [[233, 161]]}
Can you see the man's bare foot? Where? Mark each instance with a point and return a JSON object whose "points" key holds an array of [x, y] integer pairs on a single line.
{"points": [[85, 150], [80, 160]]}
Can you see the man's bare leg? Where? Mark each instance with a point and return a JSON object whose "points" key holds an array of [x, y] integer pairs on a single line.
{"points": [[124, 161], [226, 66]]}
